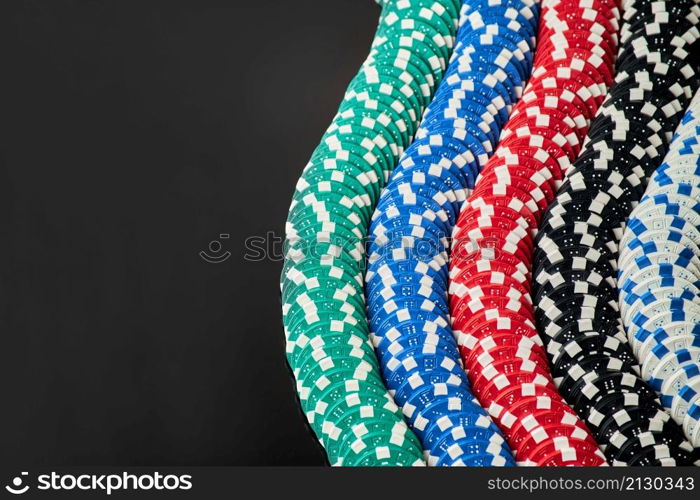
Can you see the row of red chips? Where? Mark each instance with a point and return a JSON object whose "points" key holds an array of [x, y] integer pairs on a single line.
{"points": [[491, 260]]}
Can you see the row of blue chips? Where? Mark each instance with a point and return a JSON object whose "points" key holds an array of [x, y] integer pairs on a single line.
{"points": [[407, 278], [337, 374], [659, 277]]}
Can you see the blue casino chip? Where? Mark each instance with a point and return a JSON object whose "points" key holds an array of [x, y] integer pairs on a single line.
{"points": [[460, 129]]}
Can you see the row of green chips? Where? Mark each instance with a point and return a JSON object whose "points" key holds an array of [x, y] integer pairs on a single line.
{"points": [[338, 379]]}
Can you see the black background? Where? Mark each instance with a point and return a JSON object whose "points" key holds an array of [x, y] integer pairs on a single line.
{"points": [[132, 134]]}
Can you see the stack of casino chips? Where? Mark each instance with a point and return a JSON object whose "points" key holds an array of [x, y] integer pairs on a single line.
{"points": [[659, 277], [575, 261], [407, 278], [492, 249], [338, 378]]}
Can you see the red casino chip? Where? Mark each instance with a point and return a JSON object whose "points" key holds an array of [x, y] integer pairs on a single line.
{"points": [[468, 237], [488, 279], [528, 443], [508, 192], [506, 259], [491, 310], [554, 25], [578, 73], [609, 6], [464, 271], [493, 321], [490, 380], [525, 444], [492, 249], [537, 184], [556, 412], [491, 244], [525, 145], [466, 264], [560, 79], [527, 168], [582, 39], [481, 356], [563, 453], [575, 39], [527, 127], [459, 292], [563, 105], [528, 174], [532, 398], [563, 79], [474, 305], [542, 434], [504, 256], [549, 410], [549, 120], [472, 226], [565, 101], [593, 65], [471, 211], [521, 155], [506, 253], [507, 340], [490, 290], [489, 384], [481, 229], [580, 458], [510, 163], [512, 366], [470, 219], [503, 202], [570, 19], [469, 342], [571, 12]]}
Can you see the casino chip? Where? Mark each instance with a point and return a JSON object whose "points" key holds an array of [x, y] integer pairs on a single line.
{"points": [[338, 378], [492, 266], [407, 277], [619, 329], [492, 186], [659, 270]]}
